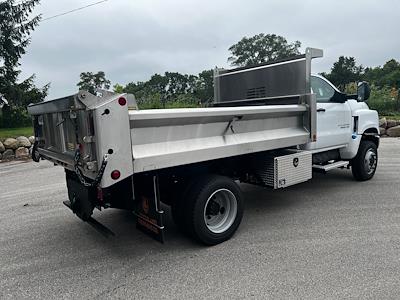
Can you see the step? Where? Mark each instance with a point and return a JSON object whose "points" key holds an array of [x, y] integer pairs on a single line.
{"points": [[328, 167]]}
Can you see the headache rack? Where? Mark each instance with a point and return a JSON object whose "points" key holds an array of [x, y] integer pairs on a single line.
{"points": [[278, 82]]}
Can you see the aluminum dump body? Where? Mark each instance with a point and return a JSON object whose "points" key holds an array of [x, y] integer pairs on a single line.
{"points": [[136, 141]]}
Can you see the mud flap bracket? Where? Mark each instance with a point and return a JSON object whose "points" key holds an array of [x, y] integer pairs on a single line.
{"points": [[148, 207]]}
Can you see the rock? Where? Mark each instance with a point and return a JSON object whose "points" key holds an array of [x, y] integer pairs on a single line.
{"points": [[31, 139], [382, 130], [2, 148], [23, 141], [1, 156], [394, 131], [382, 122], [392, 123], [10, 143], [8, 154], [22, 152]]}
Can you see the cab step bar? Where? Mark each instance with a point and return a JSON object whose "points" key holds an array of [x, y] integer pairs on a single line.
{"points": [[328, 167]]}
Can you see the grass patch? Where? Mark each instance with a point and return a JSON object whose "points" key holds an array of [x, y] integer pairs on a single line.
{"points": [[391, 117], [15, 132]]}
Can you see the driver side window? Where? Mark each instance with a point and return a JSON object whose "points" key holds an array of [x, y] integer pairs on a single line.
{"points": [[322, 89]]}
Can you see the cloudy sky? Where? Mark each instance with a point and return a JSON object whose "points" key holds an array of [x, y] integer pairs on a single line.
{"points": [[132, 39]]}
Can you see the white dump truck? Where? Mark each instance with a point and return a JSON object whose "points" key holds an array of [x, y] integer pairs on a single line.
{"points": [[270, 125]]}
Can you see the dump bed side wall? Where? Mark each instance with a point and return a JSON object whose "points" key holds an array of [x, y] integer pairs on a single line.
{"points": [[168, 138]]}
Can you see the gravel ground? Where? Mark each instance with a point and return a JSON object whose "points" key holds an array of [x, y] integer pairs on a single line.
{"points": [[331, 237]]}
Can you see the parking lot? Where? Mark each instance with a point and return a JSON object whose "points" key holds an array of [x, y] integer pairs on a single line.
{"points": [[330, 237]]}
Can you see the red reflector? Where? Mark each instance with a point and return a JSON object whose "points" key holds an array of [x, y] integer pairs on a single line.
{"points": [[122, 101], [115, 174]]}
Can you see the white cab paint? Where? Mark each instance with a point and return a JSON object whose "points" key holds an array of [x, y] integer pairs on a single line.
{"points": [[335, 121]]}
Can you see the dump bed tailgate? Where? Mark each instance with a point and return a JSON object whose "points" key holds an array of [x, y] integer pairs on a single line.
{"points": [[97, 128]]}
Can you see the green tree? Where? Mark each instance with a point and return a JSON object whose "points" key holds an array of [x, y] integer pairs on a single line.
{"points": [[178, 84], [26, 92], [16, 25], [91, 81], [204, 86], [167, 87], [15, 29], [136, 88], [344, 71], [261, 48], [118, 88], [148, 91], [386, 78], [388, 75], [382, 100], [22, 94], [172, 90], [157, 84]]}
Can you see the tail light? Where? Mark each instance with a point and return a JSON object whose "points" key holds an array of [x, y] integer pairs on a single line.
{"points": [[115, 174], [121, 101]]}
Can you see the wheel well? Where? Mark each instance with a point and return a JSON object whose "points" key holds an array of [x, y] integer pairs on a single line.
{"points": [[174, 180], [371, 134]]}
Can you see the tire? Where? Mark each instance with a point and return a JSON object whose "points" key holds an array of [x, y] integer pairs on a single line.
{"points": [[364, 165], [213, 209]]}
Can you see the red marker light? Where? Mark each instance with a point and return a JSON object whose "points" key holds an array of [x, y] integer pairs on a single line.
{"points": [[115, 174], [122, 101]]}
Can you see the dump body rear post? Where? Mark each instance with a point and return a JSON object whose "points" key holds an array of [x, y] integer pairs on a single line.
{"points": [[263, 128]]}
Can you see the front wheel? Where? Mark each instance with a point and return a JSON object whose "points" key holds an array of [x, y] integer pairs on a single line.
{"points": [[213, 209], [363, 166]]}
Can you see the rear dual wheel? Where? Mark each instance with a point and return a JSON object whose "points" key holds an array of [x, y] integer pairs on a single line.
{"points": [[210, 210]]}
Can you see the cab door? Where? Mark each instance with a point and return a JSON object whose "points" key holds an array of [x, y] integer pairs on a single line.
{"points": [[333, 117]]}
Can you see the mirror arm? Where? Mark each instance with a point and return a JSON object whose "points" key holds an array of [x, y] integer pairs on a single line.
{"points": [[352, 96]]}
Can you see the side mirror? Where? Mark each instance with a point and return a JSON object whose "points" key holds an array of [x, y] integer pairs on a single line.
{"points": [[363, 91]]}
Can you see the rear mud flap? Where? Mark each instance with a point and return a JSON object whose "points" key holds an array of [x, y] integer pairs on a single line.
{"points": [[81, 199], [82, 203], [148, 207], [93, 222]]}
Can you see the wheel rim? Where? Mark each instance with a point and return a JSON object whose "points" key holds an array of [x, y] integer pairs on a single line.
{"points": [[370, 161], [220, 211]]}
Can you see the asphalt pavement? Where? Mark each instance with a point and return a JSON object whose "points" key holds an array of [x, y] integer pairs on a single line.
{"points": [[331, 237]]}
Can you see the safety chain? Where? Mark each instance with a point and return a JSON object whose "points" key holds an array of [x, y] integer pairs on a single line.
{"points": [[78, 172]]}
